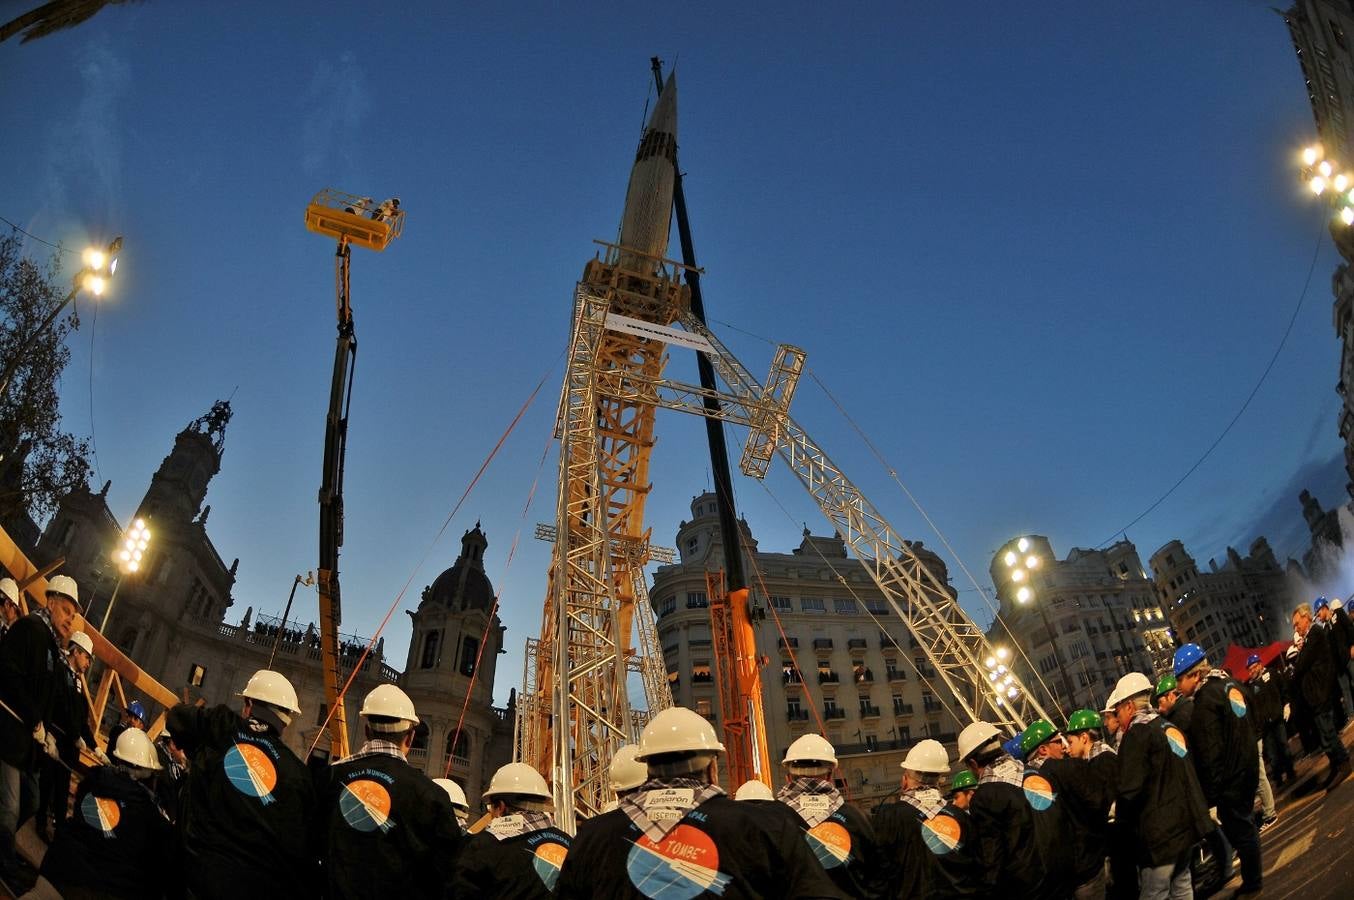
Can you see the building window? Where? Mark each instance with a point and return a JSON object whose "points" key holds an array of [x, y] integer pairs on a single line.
{"points": [[470, 648], [430, 642], [812, 604], [781, 603], [322, 715], [703, 706], [667, 607], [878, 607], [871, 742], [700, 672], [461, 749], [697, 600], [845, 607], [196, 675], [904, 733]]}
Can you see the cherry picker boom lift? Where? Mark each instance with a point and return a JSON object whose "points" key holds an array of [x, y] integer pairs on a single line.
{"points": [[352, 220]]}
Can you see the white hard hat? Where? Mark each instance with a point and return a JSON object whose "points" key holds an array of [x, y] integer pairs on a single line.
{"points": [[1111, 702], [274, 688], [10, 589], [810, 748], [1337, 603], [388, 701], [754, 790], [1130, 685], [518, 778], [677, 730], [64, 585], [83, 641], [974, 736], [135, 747], [627, 773], [453, 791], [928, 756]]}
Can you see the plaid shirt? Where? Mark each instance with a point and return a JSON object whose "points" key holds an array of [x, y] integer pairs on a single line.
{"points": [[379, 747]]}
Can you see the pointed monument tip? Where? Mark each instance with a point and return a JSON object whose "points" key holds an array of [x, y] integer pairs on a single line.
{"points": [[664, 117]]}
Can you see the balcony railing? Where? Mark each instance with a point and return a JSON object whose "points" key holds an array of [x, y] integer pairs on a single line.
{"points": [[864, 676], [902, 709], [790, 677], [701, 678], [869, 712], [822, 643], [897, 675], [931, 708], [782, 643], [856, 643], [797, 715], [834, 713], [828, 678]]}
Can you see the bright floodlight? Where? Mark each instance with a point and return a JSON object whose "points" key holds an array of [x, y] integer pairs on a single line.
{"points": [[1023, 544], [1317, 185], [95, 258], [1018, 575], [125, 556], [1340, 182], [1325, 168], [1311, 154], [1010, 558], [1023, 595], [1347, 216], [94, 284], [1031, 562], [133, 566], [991, 662], [1011, 692], [1002, 653]]}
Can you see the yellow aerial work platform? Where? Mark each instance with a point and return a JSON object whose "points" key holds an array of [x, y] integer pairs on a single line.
{"points": [[359, 219]]}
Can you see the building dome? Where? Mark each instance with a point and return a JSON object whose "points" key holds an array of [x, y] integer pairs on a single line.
{"points": [[464, 586]]}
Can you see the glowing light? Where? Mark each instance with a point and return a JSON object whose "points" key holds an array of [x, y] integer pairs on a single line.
{"points": [[1317, 185], [1001, 670], [1023, 544], [1031, 562], [94, 284], [1002, 653], [1018, 575], [1023, 595], [1347, 216], [1010, 558], [1340, 182], [95, 258], [140, 524], [124, 556], [1325, 168], [133, 566], [1311, 154], [991, 662]]}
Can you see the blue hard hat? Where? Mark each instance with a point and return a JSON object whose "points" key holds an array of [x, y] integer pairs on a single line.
{"points": [[1320, 604], [1187, 657], [1252, 659], [136, 709], [1013, 747]]}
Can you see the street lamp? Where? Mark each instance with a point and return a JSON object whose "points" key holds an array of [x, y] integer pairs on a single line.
{"points": [[99, 266], [1021, 566], [308, 581], [129, 558], [1325, 177], [1003, 680]]}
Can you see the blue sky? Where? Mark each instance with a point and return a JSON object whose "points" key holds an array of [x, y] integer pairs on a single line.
{"points": [[1041, 256]]}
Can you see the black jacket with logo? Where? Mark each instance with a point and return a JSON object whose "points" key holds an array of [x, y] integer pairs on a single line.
{"points": [[1222, 742], [248, 808], [32, 674], [907, 866], [525, 867], [1159, 807], [956, 873], [1266, 698], [850, 833], [116, 841], [721, 849], [388, 830], [1008, 845], [1085, 789]]}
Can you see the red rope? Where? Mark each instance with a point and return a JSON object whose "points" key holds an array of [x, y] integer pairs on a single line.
{"points": [[493, 610], [357, 667]]}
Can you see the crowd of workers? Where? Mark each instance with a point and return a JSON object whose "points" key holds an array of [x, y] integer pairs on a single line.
{"points": [[1116, 803]]}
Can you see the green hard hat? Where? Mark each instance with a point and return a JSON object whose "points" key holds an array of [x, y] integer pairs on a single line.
{"points": [[1039, 731], [1084, 720], [1165, 685], [963, 781]]}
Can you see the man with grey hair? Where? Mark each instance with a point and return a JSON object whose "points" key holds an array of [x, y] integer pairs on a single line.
{"points": [[1314, 679], [680, 836], [1160, 808], [912, 864]]}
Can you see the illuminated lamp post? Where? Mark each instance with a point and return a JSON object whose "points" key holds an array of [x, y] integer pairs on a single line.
{"points": [[1021, 568], [129, 559]]}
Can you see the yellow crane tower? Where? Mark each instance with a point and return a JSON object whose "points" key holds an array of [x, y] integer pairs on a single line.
{"points": [[361, 221]]}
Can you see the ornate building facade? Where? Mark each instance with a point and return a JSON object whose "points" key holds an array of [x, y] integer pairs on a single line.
{"points": [[171, 618]]}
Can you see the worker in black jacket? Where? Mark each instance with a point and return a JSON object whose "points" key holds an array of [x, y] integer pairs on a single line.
{"points": [[1267, 695], [32, 675], [115, 844], [839, 835], [247, 814], [1223, 744], [1084, 787], [520, 852], [1159, 809], [1340, 641], [1009, 851], [9, 604], [389, 830], [949, 834], [680, 836], [69, 728], [911, 849], [1314, 680]]}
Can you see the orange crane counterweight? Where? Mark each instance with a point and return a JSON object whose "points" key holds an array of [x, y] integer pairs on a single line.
{"points": [[738, 673]]}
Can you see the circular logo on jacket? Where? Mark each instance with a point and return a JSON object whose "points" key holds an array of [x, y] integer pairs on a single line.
{"points": [[1038, 791], [1176, 741], [251, 772], [941, 834], [365, 805], [683, 865], [101, 813], [830, 842], [548, 859], [1237, 701]]}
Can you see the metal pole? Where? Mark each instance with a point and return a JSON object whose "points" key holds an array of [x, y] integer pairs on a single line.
{"points": [[108, 610], [1057, 657], [286, 614]]}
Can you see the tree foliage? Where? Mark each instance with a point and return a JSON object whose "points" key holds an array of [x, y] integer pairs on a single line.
{"points": [[40, 463], [52, 17]]}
